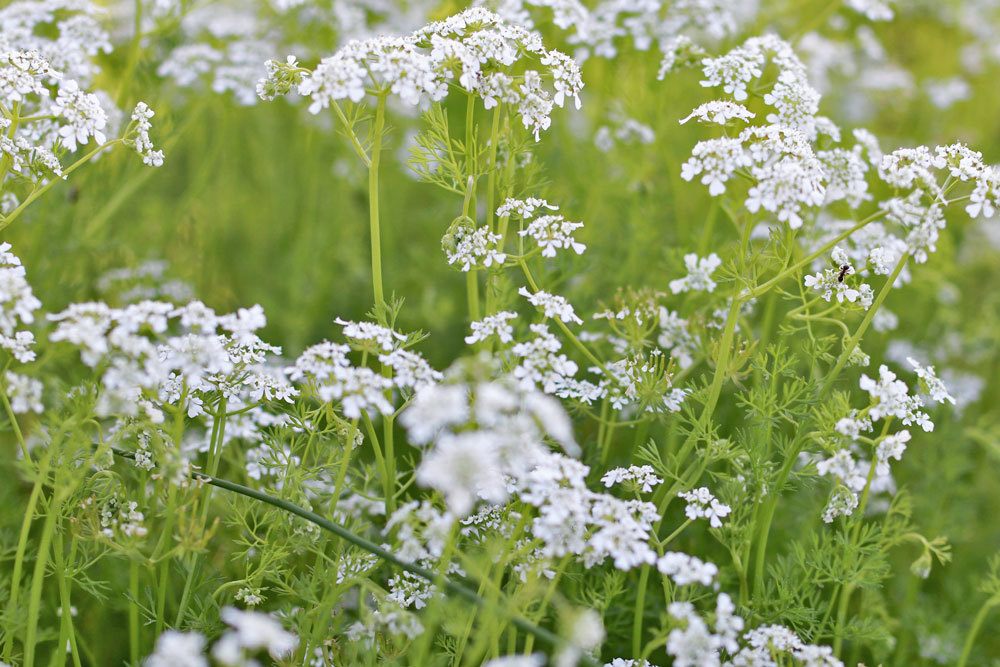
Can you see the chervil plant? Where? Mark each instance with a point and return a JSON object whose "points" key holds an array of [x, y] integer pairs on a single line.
{"points": [[664, 343]]}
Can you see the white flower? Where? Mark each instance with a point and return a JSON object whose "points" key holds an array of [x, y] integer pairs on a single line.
{"points": [[719, 112], [891, 447], [699, 277], [934, 386], [892, 398], [464, 468], [540, 361], [523, 208], [23, 392], [476, 248], [851, 427], [83, 113], [553, 232], [178, 649], [17, 306], [642, 476], [842, 466], [363, 332], [701, 504], [253, 631], [492, 325], [685, 570], [475, 51], [410, 370], [715, 161], [552, 305], [139, 136], [874, 10]]}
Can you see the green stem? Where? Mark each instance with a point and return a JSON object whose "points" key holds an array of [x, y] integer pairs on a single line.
{"points": [[853, 341], [715, 390], [373, 202], [380, 461], [12, 418], [786, 470], [133, 611], [345, 463], [388, 441], [133, 54], [472, 293], [977, 624], [762, 289], [38, 576], [22, 546], [67, 633], [39, 191], [349, 130]]}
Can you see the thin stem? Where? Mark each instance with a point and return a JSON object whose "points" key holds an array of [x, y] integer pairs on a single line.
{"points": [[38, 192], [715, 390], [345, 463], [22, 546], [491, 178], [373, 202], [387, 487], [12, 418], [38, 575], [133, 611], [762, 289], [67, 632], [853, 341], [349, 130], [977, 625], [133, 54]]}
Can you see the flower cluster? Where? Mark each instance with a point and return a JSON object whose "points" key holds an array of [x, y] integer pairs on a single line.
{"points": [[693, 642], [249, 635], [476, 51], [49, 56], [325, 370], [154, 355], [699, 277], [17, 307], [701, 504]]}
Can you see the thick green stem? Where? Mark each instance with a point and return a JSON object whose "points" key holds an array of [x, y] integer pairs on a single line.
{"points": [[472, 293]]}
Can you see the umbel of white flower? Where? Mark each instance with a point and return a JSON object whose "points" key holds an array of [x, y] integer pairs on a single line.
{"points": [[153, 354], [475, 51], [17, 307], [485, 441]]}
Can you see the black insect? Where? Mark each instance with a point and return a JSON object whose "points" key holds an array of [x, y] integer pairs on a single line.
{"points": [[844, 270]]}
